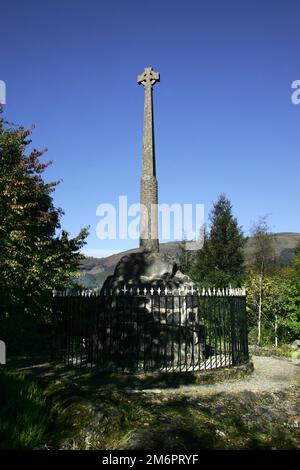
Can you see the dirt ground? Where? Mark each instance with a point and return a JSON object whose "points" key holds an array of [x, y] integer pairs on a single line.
{"points": [[259, 411]]}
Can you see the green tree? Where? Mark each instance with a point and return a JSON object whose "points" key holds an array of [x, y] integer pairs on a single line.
{"points": [[295, 267], [277, 299], [262, 262], [220, 262], [34, 256], [293, 275], [186, 256]]}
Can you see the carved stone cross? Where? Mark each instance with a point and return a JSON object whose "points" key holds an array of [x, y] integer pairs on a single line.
{"points": [[148, 77], [149, 197]]}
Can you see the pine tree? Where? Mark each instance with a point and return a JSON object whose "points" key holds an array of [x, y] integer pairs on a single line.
{"points": [[220, 262]]}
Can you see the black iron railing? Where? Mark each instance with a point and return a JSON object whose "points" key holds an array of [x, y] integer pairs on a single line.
{"points": [[151, 331]]}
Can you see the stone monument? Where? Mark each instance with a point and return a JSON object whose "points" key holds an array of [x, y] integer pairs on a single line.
{"points": [[148, 268], [168, 324], [148, 199]]}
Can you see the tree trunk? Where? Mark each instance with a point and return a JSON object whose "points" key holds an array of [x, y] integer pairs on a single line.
{"points": [[259, 311], [275, 329]]}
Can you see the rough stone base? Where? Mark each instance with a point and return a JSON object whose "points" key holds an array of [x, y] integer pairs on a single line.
{"points": [[162, 380], [148, 270]]}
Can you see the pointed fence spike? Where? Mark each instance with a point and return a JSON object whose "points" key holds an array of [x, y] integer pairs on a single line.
{"points": [[159, 291]]}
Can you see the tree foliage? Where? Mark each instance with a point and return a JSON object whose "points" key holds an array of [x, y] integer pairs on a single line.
{"points": [[295, 267], [34, 256], [220, 262], [273, 291], [262, 256], [279, 301]]}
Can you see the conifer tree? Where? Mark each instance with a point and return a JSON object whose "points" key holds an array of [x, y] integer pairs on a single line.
{"points": [[220, 262]]}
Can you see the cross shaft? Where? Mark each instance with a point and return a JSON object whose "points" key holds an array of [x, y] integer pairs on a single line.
{"points": [[149, 197]]}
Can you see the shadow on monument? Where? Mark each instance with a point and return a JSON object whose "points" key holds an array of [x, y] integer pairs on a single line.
{"points": [[147, 333]]}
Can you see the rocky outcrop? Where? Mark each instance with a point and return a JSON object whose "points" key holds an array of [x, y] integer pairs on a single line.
{"points": [[148, 270]]}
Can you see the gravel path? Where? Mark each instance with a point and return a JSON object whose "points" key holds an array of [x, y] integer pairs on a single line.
{"points": [[271, 374], [260, 411]]}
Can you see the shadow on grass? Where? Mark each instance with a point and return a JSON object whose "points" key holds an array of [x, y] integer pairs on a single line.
{"points": [[110, 411], [24, 415], [240, 421], [40, 367]]}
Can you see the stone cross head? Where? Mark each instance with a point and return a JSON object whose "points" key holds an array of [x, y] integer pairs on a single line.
{"points": [[148, 77]]}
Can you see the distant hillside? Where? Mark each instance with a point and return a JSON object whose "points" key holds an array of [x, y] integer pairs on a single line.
{"points": [[94, 271]]}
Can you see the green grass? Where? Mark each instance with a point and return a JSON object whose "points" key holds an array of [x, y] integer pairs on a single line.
{"points": [[82, 410], [25, 418], [94, 415]]}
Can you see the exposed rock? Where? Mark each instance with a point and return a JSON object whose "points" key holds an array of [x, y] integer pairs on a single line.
{"points": [[148, 270], [296, 345], [170, 325]]}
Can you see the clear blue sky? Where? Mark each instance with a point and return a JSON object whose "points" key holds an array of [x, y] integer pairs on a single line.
{"points": [[224, 119]]}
